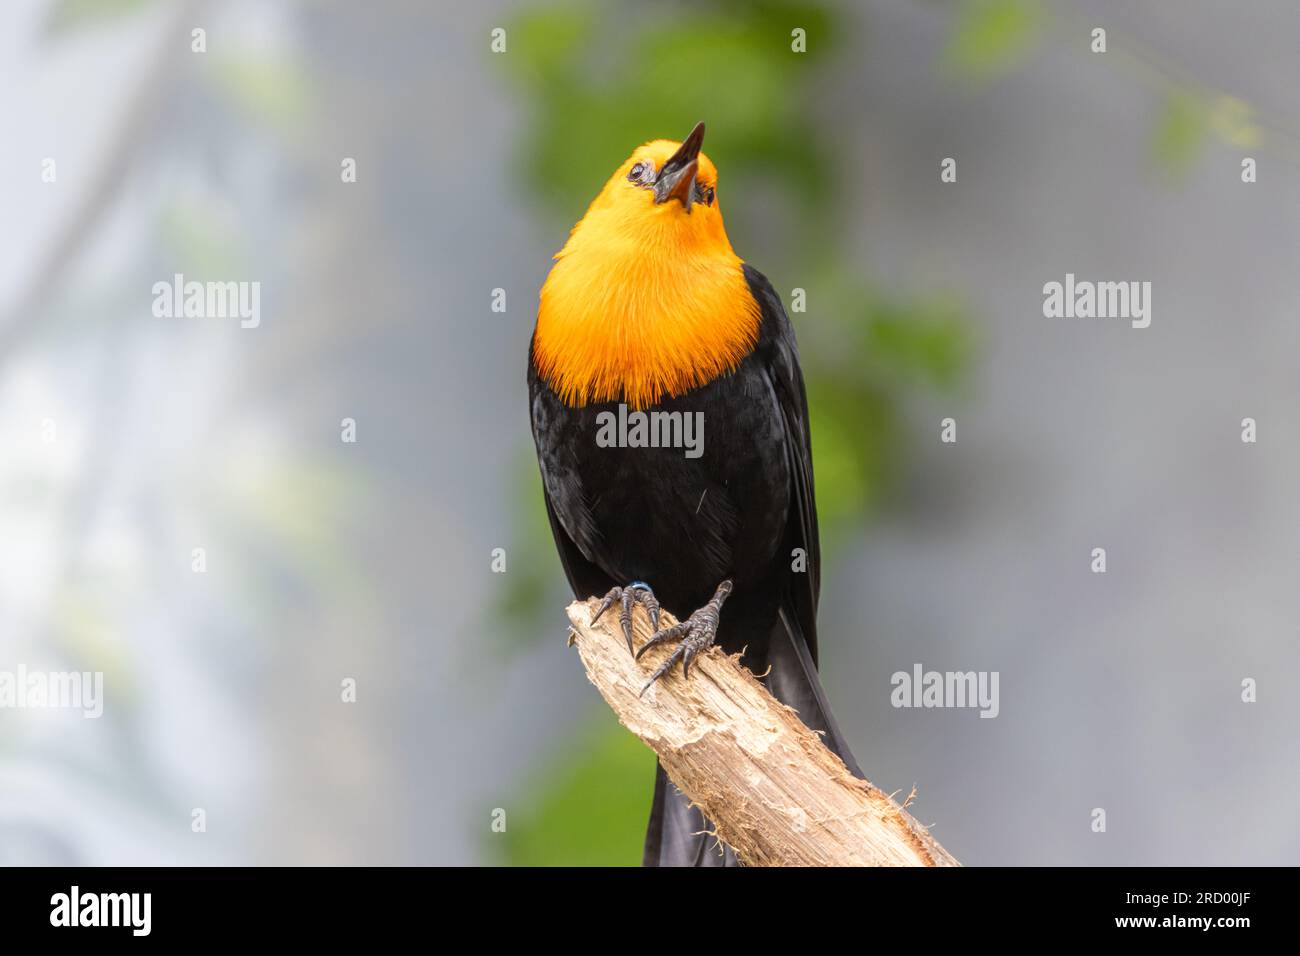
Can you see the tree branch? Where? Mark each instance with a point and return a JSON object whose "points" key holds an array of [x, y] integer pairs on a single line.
{"points": [[776, 794]]}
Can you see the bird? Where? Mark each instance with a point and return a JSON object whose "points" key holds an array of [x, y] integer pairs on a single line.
{"points": [[648, 309]]}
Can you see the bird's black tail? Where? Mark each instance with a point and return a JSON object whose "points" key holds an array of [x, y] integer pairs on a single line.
{"points": [[679, 834]]}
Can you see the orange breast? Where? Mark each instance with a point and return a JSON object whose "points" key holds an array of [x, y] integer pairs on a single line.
{"points": [[638, 324]]}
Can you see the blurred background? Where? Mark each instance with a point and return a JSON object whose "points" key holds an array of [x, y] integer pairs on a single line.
{"points": [[128, 440]]}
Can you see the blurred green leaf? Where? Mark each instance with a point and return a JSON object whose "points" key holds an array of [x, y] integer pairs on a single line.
{"points": [[601, 81], [1180, 133], [929, 341], [590, 808], [534, 567], [200, 238], [273, 90], [1233, 121], [546, 43], [992, 37], [850, 432], [68, 16]]}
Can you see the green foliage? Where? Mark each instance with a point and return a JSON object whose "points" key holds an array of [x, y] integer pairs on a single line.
{"points": [[1233, 121], [1190, 120], [68, 16], [882, 349], [1180, 133], [534, 568], [601, 80], [589, 809], [992, 37], [852, 432], [272, 90], [929, 341], [199, 238]]}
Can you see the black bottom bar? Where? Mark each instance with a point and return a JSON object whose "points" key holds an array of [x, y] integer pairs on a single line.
{"points": [[335, 906]]}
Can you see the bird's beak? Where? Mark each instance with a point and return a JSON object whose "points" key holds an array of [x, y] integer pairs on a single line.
{"points": [[677, 178]]}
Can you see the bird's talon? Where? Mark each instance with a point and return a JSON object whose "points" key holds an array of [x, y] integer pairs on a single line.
{"points": [[694, 635], [638, 592]]}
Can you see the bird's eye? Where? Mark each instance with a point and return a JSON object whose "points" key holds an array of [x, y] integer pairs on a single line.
{"points": [[637, 172], [708, 196]]}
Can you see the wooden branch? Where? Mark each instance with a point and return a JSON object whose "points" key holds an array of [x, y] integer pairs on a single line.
{"points": [[776, 794]]}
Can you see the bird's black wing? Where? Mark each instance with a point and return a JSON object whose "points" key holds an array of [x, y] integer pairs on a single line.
{"points": [[562, 487], [780, 356], [792, 643], [585, 578]]}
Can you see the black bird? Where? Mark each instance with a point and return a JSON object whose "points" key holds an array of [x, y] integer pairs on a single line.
{"points": [[647, 307]]}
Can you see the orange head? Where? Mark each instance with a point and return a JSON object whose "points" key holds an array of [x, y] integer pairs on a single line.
{"points": [[647, 298]]}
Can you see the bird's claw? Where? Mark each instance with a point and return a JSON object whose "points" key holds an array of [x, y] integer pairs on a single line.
{"points": [[638, 592], [693, 635]]}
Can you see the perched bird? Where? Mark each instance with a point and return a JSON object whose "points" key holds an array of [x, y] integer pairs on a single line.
{"points": [[647, 306]]}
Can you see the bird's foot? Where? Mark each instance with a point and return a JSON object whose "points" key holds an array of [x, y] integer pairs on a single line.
{"points": [[693, 635], [638, 592]]}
